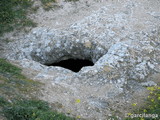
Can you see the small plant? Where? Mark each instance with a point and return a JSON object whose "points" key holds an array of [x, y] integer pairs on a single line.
{"points": [[6, 67], [12, 82], [3, 101], [14, 105], [31, 110], [152, 106], [71, 0], [13, 15], [48, 4]]}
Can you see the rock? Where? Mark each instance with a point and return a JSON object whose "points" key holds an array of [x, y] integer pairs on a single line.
{"points": [[100, 104], [121, 38], [148, 84]]}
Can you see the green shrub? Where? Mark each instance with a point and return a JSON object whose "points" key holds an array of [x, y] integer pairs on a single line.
{"points": [[13, 83], [71, 0], [48, 4], [47, 1], [3, 101], [14, 105], [152, 105], [31, 110], [6, 67], [13, 15]]}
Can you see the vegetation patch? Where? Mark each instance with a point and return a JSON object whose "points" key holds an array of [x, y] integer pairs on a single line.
{"points": [[151, 109], [48, 4], [14, 85], [17, 101], [71, 0], [13, 15], [30, 110]]}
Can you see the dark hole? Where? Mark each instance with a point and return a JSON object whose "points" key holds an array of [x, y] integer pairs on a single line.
{"points": [[73, 64]]}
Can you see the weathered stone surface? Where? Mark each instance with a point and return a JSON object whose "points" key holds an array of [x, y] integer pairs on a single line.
{"points": [[121, 38]]}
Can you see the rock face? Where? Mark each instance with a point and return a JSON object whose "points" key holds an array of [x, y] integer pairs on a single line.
{"points": [[123, 41]]}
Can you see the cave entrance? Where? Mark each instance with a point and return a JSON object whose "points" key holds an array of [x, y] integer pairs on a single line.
{"points": [[74, 65]]}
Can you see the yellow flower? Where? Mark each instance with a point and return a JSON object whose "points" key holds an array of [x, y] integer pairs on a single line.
{"points": [[33, 114], [69, 112], [152, 100], [129, 114], [158, 88], [134, 104], [151, 92], [37, 119], [144, 110], [78, 101], [48, 4], [78, 117], [151, 88]]}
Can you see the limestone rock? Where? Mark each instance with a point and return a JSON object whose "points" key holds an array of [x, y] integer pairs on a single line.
{"points": [[121, 38]]}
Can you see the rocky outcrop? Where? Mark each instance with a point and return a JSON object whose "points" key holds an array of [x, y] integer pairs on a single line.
{"points": [[123, 41]]}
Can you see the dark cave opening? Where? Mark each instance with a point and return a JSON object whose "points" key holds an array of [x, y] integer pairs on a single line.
{"points": [[74, 65]]}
